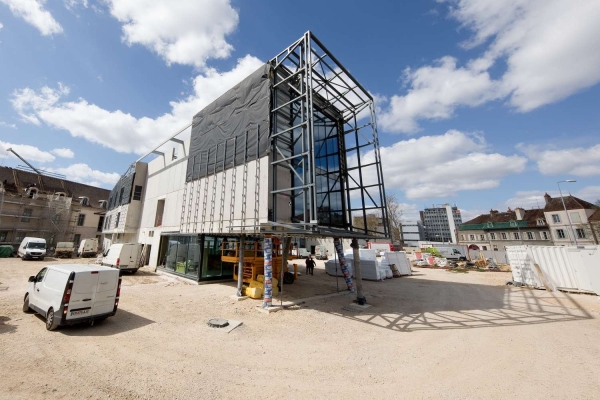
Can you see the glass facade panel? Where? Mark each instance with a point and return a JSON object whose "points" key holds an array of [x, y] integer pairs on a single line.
{"points": [[183, 255]]}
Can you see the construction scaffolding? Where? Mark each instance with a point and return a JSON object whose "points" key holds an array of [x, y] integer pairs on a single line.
{"points": [[316, 127]]}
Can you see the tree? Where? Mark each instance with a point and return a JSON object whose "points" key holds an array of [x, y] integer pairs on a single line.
{"points": [[597, 202], [395, 218]]}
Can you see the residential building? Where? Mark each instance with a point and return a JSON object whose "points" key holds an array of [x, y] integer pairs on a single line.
{"points": [[49, 207], [560, 224], [496, 230], [440, 223], [122, 219], [594, 221], [278, 154]]}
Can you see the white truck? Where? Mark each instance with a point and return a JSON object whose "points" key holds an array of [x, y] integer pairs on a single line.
{"points": [[88, 248], [380, 248], [64, 249], [71, 293], [451, 253]]}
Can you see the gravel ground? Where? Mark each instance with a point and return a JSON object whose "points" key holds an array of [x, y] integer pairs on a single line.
{"points": [[436, 334]]}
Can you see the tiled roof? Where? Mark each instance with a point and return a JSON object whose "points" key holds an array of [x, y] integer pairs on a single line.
{"points": [[530, 219], [50, 184], [571, 202], [595, 216]]}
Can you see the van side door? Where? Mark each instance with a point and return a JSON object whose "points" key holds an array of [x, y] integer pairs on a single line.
{"points": [[53, 289], [35, 297]]}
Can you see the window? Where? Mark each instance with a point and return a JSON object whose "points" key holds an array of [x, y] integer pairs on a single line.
{"points": [[80, 219], [560, 234], [545, 235], [121, 196], [484, 247], [493, 236], [462, 237], [529, 235], [117, 220], [100, 223], [575, 217], [481, 237], [495, 248], [32, 192], [77, 239], [150, 233], [84, 201], [516, 235], [3, 236], [580, 233], [160, 209], [472, 237], [137, 192], [27, 214], [556, 218], [541, 221], [503, 235]]}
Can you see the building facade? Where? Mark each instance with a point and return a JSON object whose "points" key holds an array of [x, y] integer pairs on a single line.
{"points": [[412, 233], [440, 223], [48, 207], [497, 230], [578, 218], [278, 155]]}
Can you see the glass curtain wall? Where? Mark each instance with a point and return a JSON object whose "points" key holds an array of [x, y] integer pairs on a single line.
{"points": [[212, 265], [183, 255]]}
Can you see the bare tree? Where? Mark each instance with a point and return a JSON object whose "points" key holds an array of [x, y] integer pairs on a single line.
{"points": [[597, 203], [395, 218], [373, 222]]}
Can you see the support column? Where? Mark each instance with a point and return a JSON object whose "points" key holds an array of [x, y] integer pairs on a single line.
{"points": [[360, 299], [343, 266], [287, 240], [241, 265], [268, 284]]}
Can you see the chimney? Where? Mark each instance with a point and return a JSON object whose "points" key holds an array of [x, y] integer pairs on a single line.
{"points": [[547, 198], [520, 213], [509, 210], [493, 213]]}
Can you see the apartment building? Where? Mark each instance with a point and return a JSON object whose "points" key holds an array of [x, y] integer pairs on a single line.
{"points": [[440, 223]]}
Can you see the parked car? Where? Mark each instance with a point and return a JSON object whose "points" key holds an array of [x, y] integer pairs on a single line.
{"points": [[64, 249], [88, 248], [32, 248], [123, 256], [421, 263], [70, 294]]}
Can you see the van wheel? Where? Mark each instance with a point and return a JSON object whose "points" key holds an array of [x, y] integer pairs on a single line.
{"points": [[51, 323], [26, 308]]}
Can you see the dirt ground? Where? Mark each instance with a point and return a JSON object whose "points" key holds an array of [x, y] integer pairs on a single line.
{"points": [[436, 334]]}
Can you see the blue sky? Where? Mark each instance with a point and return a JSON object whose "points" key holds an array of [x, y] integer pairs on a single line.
{"points": [[485, 104]]}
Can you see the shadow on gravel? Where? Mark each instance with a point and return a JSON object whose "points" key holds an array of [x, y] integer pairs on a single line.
{"points": [[123, 321], [419, 304], [4, 328]]}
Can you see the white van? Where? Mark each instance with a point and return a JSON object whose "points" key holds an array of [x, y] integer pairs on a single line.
{"points": [[70, 294], [88, 248], [124, 256], [32, 248]]}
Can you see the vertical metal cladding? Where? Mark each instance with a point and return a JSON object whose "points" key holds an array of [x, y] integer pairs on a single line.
{"points": [[343, 266], [268, 254]]}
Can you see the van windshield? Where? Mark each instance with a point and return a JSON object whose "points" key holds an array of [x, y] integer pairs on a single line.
{"points": [[33, 245]]}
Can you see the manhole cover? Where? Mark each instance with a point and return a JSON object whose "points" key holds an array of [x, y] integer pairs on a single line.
{"points": [[218, 323]]}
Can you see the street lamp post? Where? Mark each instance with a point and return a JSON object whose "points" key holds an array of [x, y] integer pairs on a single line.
{"points": [[565, 207]]}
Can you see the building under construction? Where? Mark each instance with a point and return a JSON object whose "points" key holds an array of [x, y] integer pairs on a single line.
{"points": [[290, 152], [35, 204]]}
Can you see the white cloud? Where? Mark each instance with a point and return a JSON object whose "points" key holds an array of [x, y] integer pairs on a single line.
{"points": [[435, 92], [119, 130], [180, 31], [71, 5], [7, 125], [84, 174], [1, 25], [29, 153], [441, 166], [550, 48], [34, 13], [64, 153], [468, 215], [576, 161]]}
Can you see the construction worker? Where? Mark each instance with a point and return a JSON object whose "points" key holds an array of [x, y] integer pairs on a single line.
{"points": [[310, 265]]}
